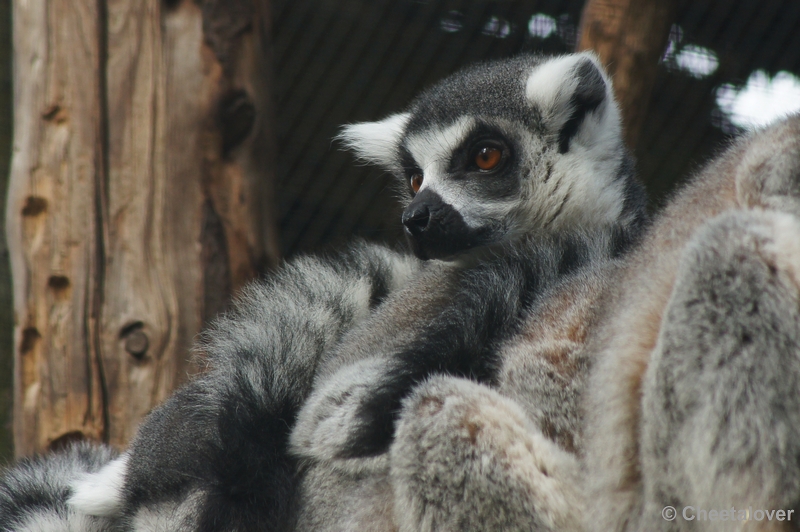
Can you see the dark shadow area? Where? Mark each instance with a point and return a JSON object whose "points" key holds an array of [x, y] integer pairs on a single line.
{"points": [[6, 306]]}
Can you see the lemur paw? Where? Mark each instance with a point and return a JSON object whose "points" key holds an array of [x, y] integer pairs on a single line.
{"points": [[467, 458], [330, 417]]}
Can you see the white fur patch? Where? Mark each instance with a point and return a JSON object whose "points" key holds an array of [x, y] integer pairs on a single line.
{"points": [[588, 193], [376, 142], [551, 84], [785, 244], [595, 197], [432, 150], [100, 493]]}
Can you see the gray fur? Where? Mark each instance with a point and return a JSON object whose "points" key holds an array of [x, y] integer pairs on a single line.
{"points": [[725, 374], [261, 358], [263, 352], [32, 492], [693, 399], [468, 458], [348, 339], [537, 379]]}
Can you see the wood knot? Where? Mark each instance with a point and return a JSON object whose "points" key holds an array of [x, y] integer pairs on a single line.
{"points": [[137, 343], [59, 286], [136, 340], [55, 113], [58, 282], [30, 336], [237, 114], [34, 205]]}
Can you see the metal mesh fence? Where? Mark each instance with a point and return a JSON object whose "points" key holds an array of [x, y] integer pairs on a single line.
{"points": [[340, 61]]}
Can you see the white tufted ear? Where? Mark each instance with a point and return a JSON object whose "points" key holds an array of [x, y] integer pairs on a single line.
{"points": [[567, 89], [376, 142]]}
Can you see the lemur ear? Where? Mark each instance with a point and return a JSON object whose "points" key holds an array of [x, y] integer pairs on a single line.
{"points": [[376, 142], [566, 89]]}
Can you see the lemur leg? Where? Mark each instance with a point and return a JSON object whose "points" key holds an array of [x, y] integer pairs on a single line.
{"points": [[467, 458], [720, 424]]}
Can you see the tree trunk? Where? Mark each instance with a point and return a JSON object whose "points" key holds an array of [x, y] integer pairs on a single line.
{"points": [[630, 37], [138, 200]]}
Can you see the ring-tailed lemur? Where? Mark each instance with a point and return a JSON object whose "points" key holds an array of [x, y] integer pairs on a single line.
{"points": [[692, 415], [516, 178]]}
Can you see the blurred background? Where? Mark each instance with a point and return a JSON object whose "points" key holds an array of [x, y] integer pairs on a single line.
{"points": [[727, 65]]}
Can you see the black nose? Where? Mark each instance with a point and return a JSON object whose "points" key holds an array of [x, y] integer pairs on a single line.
{"points": [[416, 218]]}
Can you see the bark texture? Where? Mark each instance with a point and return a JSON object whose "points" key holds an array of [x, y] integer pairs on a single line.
{"points": [[630, 37], [139, 199]]}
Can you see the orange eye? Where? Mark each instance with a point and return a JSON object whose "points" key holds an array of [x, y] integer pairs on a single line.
{"points": [[416, 182], [488, 158]]}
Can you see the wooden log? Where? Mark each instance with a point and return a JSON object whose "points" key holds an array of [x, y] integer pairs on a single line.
{"points": [[130, 217], [630, 37], [52, 222]]}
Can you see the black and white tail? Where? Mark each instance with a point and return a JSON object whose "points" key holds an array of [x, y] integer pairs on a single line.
{"points": [[214, 456], [33, 493]]}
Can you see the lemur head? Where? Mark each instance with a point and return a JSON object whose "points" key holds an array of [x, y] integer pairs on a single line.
{"points": [[504, 149]]}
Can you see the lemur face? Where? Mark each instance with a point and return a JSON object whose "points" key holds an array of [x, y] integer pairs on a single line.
{"points": [[502, 150], [463, 179]]}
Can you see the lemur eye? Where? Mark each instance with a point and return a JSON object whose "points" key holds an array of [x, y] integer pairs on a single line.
{"points": [[488, 158], [416, 182]]}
